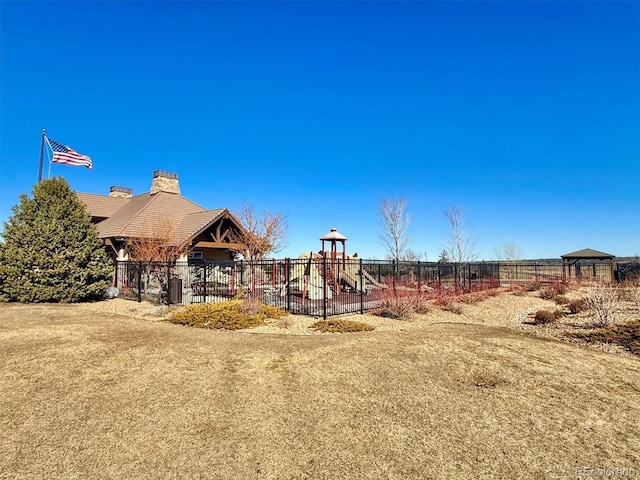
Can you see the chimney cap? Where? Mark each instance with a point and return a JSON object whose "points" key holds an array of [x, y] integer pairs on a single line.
{"points": [[165, 174], [120, 192], [115, 188]]}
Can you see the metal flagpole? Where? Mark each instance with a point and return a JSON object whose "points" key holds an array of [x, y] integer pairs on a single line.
{"points": [[49, 159], [41, 155]]}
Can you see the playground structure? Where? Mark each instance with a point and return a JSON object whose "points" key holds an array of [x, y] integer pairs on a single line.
{"points": [[327, 273], [312, 279], [313, 276]]}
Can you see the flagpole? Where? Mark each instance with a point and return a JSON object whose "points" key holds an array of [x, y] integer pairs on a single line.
{"points": [[41, 156]]}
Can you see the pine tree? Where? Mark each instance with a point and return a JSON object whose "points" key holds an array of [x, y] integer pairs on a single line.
{"points": [[50, 250], [444, 256]]}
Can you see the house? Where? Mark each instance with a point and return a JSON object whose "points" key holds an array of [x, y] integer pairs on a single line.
{"points": [[122, 216]]}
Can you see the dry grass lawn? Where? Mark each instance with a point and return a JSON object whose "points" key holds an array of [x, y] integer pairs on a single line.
{"points": [[101, 395]]}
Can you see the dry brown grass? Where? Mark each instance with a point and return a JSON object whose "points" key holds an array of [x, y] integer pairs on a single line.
{"points": [[99, 395]]}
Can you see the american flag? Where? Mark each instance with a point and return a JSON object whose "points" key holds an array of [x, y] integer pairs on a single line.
{"points": [[68, 156]]}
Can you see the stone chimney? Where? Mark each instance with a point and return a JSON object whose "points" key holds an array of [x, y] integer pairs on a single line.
{"points": [[165, 182], [120, 192]]}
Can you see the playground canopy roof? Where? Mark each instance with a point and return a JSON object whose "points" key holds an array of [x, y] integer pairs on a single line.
{"points": [[333, 235], [589, 254]]}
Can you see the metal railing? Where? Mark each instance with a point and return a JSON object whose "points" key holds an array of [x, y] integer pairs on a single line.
{"points": [[323, 286]]}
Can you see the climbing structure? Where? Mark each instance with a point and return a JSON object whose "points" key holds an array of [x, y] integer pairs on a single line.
{"points": [[326, 273], [334, 264]]}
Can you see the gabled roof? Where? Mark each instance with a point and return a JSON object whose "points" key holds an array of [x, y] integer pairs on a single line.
{"points": [[136, 216], [102, 206], [588, 253], [195, 223]]}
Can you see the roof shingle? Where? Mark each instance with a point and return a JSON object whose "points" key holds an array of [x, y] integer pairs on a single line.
{"points": [[136, 216]]}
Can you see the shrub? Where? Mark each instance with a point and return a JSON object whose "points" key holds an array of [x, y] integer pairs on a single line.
{"points": [[50, 250], [453, 307], [250, 306], [630, 291], [341, 326], [475, 297], [401, 304], [578, 305], [561, 300], [516, 289], [553, 289], [547, 316], [533, 286], [602, 302], [546, 294], [560, 287], [396, 307], [242, 293], [627, 335], [231, 315], [284, 322]]}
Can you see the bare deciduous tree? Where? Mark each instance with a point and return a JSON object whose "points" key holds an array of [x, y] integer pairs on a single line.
{"points": [[263, 234], [508, 252], [410, 256], [160, 243], [460, 247], [394, 224]]}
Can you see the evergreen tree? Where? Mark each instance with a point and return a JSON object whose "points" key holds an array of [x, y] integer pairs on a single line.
{"points": [[50, 250]]}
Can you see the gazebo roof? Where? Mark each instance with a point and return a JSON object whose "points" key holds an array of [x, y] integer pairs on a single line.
{"points": [[587, 253], [333, 235]]}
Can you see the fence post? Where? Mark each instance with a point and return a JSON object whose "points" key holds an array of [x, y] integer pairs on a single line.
{"points": [[393, 275], [287, 274], [234, 269], [456, 280], [168, 285], [324, 287], [115, 276], [361, 290], [419, 276], [273, 273], [204, 283], [140, 281]]}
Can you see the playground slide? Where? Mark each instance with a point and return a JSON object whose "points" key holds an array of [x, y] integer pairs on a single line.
{"points": [[352, 277], [372, 280], [349, 279]]}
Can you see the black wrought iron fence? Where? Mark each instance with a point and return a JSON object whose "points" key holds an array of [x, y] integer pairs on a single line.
{"points": [[323, 286]]}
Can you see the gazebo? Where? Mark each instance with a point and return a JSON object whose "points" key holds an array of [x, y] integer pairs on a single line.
{"points": [[573, 259]]}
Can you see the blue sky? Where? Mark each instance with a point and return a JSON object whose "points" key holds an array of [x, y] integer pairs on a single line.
{"points": [[524, 114]]}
